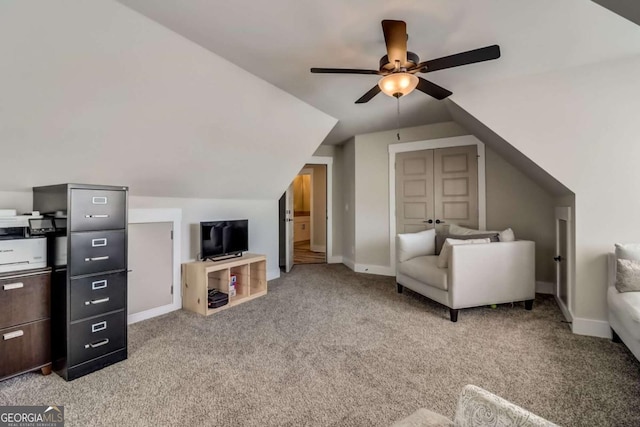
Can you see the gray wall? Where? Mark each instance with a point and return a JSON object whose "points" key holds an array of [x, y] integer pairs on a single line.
{"points": [[371, 213], [514, 200]]}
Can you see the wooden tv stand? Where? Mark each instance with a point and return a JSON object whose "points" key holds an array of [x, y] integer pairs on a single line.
{"points": [[200, 276]]}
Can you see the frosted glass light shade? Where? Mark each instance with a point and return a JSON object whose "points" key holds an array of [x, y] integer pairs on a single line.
{"points": [[398, 84]]}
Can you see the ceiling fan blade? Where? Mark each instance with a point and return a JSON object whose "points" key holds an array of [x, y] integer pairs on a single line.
{"points": [[370, 94], [343, 71], [432, 89], [395, 37], [470, 57]]}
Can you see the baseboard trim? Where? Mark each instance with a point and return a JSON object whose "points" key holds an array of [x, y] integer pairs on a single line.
{"points": [[564, 309], [273, 274], [154, 312], [349, 263], [545, 288], [318, 248], [336, 259], [590, 327], [380, 270]]}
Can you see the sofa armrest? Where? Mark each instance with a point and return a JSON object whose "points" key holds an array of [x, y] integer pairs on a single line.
{"points": [[477, 406], [491, 273], [611, 269]]}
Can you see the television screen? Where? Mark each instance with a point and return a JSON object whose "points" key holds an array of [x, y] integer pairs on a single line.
{"points": [[220, 238]]}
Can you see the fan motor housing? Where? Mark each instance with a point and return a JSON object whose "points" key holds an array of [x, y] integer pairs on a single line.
{"points": [[412, 60]]}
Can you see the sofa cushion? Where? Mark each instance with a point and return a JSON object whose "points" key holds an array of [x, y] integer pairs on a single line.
{"points": [[411, 245], [627, 275], [626, 306], [628, 251], [505, 235], [424, 269], [440, 238], [445, 254]]}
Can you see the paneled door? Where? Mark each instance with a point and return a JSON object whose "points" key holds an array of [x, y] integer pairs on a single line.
{"points": [[436, 186], [455, 172], [414, 191]]}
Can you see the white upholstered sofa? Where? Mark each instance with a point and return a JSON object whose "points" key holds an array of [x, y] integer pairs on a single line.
{"points": [[624, 311], [476, 275]]}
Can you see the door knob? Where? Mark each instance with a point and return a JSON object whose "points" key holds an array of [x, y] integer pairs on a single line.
{"points": [[439, 222], [429, 221], [557, 258]]}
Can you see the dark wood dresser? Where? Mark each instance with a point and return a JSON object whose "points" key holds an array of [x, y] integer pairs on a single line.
{"points": [[89, 293], [25, 324]]}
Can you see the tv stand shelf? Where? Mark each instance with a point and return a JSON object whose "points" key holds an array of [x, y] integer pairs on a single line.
{"points": [[201, 276]]}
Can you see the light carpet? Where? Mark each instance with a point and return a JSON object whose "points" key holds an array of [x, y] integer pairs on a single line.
{"points": [[330, 347]]}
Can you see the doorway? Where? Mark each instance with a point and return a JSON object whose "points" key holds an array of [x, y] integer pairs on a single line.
{"points": [[456, 141], [436, 187], [304, 218], [563, 260], [310, 215]]}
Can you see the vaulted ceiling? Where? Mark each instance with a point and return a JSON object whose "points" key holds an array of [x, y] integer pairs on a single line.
{"points": [[279, 40]]}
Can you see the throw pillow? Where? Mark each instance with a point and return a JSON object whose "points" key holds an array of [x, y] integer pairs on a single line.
{"points": [[505, 236], [411, 245], [445, 254], [440, 238], [628, 275], [628, 251]]}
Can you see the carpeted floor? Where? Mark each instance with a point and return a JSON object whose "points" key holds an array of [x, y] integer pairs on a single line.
{"points": [[330, 347]]}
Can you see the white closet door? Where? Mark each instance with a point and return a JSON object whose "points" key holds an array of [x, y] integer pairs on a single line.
{"points": [[150, 254]]}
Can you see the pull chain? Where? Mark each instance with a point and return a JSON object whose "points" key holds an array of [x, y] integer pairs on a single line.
{"points": [[398, 118]]}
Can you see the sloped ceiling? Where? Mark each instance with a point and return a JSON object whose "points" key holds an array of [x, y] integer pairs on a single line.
{"points": [[94, 92], [279, 40]]}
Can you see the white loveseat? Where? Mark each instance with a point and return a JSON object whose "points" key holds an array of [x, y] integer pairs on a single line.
{"points": [[624, 312], [477, 275]]}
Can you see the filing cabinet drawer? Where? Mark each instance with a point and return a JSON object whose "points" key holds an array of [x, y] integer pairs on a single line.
{"points": [[24, 298], [94, 337], [97, 251], [98, 210], [93, 295], [24, 347]]}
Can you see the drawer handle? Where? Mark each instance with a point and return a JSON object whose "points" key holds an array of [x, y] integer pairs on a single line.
{"points": [[96, 216], [96, 243], [98, 284], [97, 301], [97, 258], [14, 334], [100, 326], [13, 286], [99, 200], [97, 344]]}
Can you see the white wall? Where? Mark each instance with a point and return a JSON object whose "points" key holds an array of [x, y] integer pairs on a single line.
{"points": [[262, 216], [335, 152], [581, 125], [95, 92], [348, 203]]}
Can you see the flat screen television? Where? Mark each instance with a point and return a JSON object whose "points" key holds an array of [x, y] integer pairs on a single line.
{"points": [[222, 239]]}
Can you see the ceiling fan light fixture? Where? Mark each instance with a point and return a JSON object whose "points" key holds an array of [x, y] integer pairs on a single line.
{"points": [[398, 84]]}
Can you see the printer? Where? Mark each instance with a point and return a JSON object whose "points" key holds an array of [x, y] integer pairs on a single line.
{"points": [[23, 245]]}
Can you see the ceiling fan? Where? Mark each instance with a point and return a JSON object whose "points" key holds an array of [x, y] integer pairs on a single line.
{"points": [[399, 66]]}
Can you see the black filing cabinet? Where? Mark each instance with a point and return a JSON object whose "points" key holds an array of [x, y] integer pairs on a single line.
{"points": [[89, 293]]}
